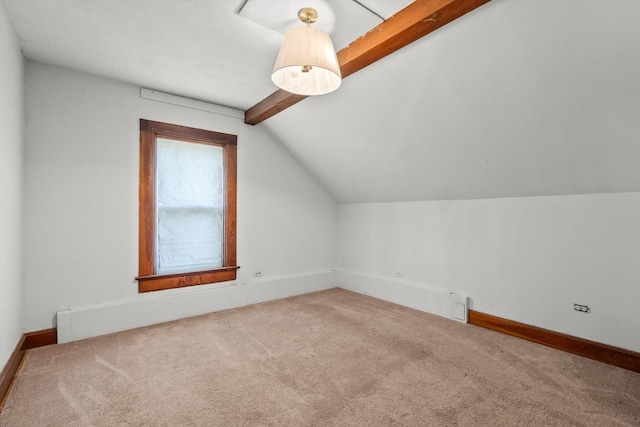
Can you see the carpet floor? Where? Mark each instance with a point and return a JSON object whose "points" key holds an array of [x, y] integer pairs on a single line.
{"points": [[332, 358]]}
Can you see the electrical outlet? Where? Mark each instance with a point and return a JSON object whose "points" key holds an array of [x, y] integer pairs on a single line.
{"points": [[581, 308], [257, 274], [398, 274]]}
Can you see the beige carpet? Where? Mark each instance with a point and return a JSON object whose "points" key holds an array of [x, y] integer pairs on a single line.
{"points": [[332, 358]]}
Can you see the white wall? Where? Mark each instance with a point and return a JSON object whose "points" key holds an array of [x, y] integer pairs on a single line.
{"points": [[81, 236], [525, 259], [11, 172]]}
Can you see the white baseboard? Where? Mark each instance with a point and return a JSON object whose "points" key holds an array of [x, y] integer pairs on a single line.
{"points": [[435, 301], [85, 322]]}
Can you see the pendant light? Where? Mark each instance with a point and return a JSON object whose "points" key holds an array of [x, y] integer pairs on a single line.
{"points": [[307, 63]]}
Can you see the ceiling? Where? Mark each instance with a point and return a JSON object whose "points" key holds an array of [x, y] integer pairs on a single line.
{"points": [[517, 98]]}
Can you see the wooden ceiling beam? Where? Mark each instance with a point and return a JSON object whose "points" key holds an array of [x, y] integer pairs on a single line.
{"points": [[408, 25]]}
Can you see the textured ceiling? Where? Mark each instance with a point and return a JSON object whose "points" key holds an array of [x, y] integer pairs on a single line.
{"points": [[518, 98], [384, 8], [355, 15], [282, 15]]}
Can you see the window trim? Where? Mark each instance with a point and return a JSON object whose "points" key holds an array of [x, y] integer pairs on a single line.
{"points": [[147, 278]]}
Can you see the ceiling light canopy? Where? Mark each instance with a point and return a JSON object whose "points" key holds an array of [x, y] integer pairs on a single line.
{"points": [[307, 63]]}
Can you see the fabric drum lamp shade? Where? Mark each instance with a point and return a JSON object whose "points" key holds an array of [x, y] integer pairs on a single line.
{"points": [[307, 63]]}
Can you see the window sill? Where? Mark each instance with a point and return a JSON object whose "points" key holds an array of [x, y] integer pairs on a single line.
{"points": [[180, 280]]}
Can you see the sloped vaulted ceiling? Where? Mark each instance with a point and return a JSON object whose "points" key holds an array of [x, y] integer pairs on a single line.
{"points": [[517, 98]]}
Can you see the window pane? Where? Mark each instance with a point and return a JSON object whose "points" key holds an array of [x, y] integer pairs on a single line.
{"points": [[189, 206]]}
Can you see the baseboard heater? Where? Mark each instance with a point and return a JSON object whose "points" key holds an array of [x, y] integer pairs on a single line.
{"points": [[440, 302]]}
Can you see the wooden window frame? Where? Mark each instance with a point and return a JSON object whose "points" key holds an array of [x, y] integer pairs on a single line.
{"points": [[147, 278]]}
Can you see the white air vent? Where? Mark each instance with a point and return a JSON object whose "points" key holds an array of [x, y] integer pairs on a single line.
{"points": [[460, 312]]}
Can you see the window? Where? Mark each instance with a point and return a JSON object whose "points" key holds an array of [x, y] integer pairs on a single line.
{"points": [[187, 206]]}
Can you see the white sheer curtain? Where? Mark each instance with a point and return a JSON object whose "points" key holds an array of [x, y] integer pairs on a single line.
{"points": [[190, 206]]}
